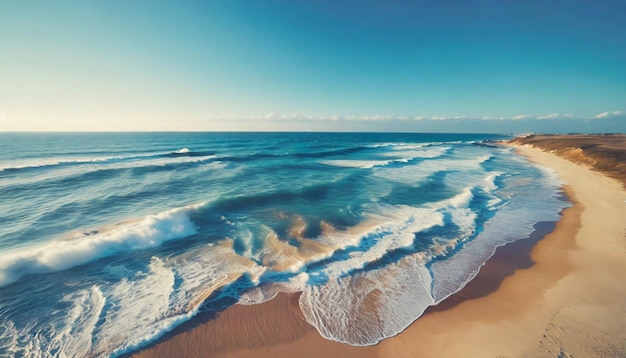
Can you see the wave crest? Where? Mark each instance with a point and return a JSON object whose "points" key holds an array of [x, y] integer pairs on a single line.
{"points": [[62, 254]]}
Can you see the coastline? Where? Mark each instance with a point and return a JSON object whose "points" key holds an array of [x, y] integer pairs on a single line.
{"points": [[560, 294]]}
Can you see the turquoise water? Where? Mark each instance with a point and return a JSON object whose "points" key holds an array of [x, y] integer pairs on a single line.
{"points": [[109, 240]]}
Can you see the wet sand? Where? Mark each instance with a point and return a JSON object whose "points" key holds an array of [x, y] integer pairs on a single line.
{"points": [[554, 295]]}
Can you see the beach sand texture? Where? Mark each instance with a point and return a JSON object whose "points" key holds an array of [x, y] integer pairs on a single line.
{"points": [[558, 295], [605, 153]]}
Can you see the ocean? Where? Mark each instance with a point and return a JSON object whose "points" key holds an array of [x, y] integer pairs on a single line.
{"points": [[110, 240]]}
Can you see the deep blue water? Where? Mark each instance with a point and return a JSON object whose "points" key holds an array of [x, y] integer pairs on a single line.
{"points": [[109, 240]]}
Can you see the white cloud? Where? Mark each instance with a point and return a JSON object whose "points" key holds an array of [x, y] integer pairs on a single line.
{"points": [[550, 116], [281, 117], [608, 114], [368, 118], [555, 116], [445, 118], [272, 115]]}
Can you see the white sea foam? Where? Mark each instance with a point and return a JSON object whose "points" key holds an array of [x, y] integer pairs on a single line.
{"points": [[387, 228], [77, 331], [55, 161], [382, 145], [461, 163], [461, 200], [113, 161], [414, 173], [407, 153], [413, 152], [46, 162], [267, 292], [63, 253], [70, 337], [171, 292], [490, 181], [364, 164], [138, 309], [9, 338], [134, 306], [550, 175], [410, 174], [395, 228], [366, 307], [510, 223], [410, 146]]}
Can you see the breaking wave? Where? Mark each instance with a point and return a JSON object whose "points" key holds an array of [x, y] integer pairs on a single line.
{"points": [[63, 253]]}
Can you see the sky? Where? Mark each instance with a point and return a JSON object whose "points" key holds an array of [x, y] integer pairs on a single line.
{"points": [[502, 66]]}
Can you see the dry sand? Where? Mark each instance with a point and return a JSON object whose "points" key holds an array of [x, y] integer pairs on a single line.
{"points": [[561, 296], [605, 152]]}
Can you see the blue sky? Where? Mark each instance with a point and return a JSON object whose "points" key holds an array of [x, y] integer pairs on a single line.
{"points": [[471, 66]]}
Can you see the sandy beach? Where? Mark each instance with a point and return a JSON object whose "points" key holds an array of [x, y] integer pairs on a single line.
{"points": [[560, 293]]}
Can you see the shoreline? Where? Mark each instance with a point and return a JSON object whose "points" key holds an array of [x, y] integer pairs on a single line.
{"points": [[520, 304], [506, 260]]}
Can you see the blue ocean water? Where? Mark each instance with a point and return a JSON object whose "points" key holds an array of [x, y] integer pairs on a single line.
{"points": [[109, 240]]}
